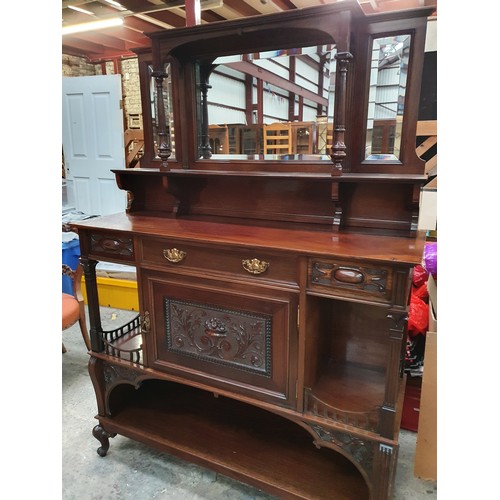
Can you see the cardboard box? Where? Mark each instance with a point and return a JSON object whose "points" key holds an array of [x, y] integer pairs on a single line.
{"points": [[426, 451], [427, 218]]}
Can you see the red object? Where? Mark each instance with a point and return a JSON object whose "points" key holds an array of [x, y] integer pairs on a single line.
{"points": [[420, 276], [411, 407], [421, 292], [418, 317]]}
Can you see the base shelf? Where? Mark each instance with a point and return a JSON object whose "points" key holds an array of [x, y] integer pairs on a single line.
{"points": [[238, 440]]}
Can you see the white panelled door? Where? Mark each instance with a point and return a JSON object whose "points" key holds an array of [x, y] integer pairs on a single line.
{"points": [[92, 136]]}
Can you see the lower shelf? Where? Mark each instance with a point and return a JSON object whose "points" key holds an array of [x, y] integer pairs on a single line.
{"points": [[236, 439], [360, 390]]}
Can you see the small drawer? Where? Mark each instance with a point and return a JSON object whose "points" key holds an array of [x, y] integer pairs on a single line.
{"points": [[251, 263], [373, 282], [112, 245]]}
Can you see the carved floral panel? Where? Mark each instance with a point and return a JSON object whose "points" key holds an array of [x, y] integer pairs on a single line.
{"points": [[233, 338]]}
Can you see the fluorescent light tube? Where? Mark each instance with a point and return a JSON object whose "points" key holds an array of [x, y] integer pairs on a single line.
{"points": [[94, 25], [83, 11]]}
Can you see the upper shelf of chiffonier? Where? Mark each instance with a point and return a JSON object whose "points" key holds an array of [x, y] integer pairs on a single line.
{"points": [[388, 249]]}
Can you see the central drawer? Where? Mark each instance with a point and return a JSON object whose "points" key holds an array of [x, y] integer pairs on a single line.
{"points": [[250, 263]]}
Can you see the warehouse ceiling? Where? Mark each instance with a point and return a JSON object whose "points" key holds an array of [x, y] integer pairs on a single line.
{"points": [[147, 16]]}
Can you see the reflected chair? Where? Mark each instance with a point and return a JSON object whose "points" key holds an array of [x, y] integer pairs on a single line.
{"points": [[277, 138], [219, 139], [73, 305]]}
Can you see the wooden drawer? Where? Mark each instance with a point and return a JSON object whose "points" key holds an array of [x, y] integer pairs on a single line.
{"points": [[112, 246], [350, 279], [243, 262]]}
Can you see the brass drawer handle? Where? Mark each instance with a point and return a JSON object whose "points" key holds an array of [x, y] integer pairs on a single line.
{"points": [[174, 255], [255, 266]]}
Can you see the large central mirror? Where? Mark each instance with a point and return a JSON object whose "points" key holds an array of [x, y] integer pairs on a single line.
{"points": [[275, 105]]}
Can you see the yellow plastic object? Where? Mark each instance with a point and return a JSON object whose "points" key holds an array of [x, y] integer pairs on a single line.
{"points": [[117, 293]]}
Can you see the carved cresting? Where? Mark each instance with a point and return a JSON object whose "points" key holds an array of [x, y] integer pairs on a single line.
{"points": [[233, 338], [338, 148]]}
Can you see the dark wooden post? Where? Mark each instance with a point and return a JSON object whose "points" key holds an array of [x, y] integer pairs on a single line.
{"points": [[205, 149], [164, 149], [338, 149], [89, 266]]}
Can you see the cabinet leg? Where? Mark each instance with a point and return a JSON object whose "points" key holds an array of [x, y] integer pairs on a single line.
{"points": [[384, 468], [103, 437]]}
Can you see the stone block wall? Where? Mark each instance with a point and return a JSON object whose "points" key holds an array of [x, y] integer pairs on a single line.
{"points": [[78, 66], [131, 91]]}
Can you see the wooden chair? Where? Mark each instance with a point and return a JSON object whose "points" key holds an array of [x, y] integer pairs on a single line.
{"points": [[219, 139], [73, 305], [277, 138], [134, 142], [324, 135]]}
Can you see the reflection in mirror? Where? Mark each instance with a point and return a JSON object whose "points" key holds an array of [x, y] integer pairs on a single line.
{"points": [[268, 105], [167, 101], [389, 71]]}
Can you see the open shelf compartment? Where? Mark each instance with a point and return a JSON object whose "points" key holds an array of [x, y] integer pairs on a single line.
{"points": [[125, 342], [346, 355], [234, 438]]}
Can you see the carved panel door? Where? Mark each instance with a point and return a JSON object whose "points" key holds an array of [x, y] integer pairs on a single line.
{"points": [[223, 335]]}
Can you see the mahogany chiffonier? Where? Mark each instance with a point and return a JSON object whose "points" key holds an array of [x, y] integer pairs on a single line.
{"points": [[273, 289]]}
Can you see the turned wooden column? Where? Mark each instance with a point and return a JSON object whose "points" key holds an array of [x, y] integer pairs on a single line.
{"points": [[338, 152], [89, 267], [164, 149], [205, 149]]}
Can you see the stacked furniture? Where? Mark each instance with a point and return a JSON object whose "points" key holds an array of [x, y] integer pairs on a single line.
{"points": [[273, 294]]}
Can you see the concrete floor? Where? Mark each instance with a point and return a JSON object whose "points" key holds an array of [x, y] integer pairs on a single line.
{"points": [[132, 470]]}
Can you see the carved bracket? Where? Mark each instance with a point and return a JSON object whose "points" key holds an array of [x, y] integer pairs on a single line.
{"points": [[361, 451], [397, 324], [337, 207], [114, 374], [375, 459]]}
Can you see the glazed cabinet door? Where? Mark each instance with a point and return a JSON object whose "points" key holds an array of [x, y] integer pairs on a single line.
{"points": [[219, 334]]}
